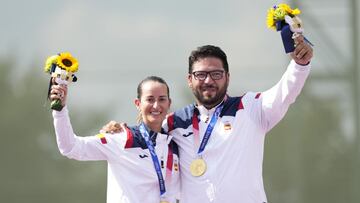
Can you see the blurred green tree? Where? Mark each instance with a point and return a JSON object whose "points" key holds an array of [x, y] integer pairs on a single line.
{"points": [[307, 156], [32, 169]]}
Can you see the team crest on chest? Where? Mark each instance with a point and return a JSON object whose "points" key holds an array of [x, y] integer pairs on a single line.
{"points": [[176, 166], [227, 126]]}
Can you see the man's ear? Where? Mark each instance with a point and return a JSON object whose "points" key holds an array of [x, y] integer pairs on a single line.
{"points": [[189, 80], [137, 103]]}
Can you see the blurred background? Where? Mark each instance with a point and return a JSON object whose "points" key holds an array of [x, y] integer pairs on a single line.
{"points": [[313, 155]]}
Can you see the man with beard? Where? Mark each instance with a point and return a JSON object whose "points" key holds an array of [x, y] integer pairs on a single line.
{"points": [[221, 138]]}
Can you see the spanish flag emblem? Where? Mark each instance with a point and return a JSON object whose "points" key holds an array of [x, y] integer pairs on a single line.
{"points": [[227, 126], [176, 166], [102, 138]]}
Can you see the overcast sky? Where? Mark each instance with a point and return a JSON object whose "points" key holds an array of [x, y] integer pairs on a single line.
{"points": [[118, 43]]}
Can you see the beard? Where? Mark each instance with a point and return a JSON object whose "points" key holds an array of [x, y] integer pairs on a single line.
{"points": [[209, 100]]}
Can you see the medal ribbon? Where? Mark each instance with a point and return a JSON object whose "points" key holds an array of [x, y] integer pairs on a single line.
{"points": [[209, 128], [155, 159]]}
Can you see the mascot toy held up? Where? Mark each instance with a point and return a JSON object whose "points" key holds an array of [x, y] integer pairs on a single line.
{"points": [[61, 67], [284, 19]]}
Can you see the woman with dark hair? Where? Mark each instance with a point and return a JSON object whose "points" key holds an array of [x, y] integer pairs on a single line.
{"points": [[142, 161]]}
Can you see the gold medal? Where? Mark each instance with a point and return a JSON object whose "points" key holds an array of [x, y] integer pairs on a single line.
{"points": [[198, 167]]}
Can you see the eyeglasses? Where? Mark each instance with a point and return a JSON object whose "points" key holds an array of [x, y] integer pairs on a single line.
{"points": [[202, 75]]}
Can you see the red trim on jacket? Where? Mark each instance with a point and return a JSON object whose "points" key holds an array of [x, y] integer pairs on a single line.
{"points": [[240, 106], [169, 163], [130, 138], [170, 122]]}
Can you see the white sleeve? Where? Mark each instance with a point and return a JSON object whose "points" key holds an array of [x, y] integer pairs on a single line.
{"points": [[105, 147], [173, 191], [276, 101]]}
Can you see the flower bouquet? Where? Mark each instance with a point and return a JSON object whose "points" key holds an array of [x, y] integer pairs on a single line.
{"points": [[283, 18], [61, 67]]}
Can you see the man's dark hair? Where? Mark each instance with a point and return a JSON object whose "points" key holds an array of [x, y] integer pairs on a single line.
{"points": [[154, 79], [208, 51]]}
